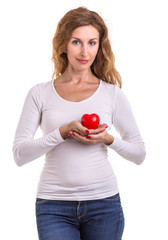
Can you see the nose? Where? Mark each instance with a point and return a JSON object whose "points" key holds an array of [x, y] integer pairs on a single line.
{"points": [[84, 50]]}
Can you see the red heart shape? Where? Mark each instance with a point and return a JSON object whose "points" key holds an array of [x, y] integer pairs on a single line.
{"points": [[90, 121]]}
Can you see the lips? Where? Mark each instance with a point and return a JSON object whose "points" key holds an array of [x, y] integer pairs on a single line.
{"points": [[83, 61]]}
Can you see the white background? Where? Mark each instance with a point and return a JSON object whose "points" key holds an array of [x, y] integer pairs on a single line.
{"points": [[138, 34]]}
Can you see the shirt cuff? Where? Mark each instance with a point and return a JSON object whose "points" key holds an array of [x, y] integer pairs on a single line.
{"points": [[58, 135], [116, 145]]}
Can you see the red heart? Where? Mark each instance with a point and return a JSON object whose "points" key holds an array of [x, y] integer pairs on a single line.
{"points": [[90, 121]]}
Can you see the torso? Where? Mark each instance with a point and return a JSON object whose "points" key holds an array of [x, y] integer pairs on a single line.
{"points": [[75, 171], [75, 92]]}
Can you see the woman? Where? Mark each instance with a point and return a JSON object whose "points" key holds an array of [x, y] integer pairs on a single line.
{"points": [[78, 196]]}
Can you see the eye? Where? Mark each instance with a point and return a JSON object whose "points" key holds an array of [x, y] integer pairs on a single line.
{"points": [[92, 43], [76, 42]]}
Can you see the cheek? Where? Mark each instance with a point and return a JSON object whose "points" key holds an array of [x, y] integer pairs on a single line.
{"points": [[96, 49], [72, 52], [94, 53]]}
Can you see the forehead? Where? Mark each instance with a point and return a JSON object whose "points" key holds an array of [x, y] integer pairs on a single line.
{"points": [[85, 32]]}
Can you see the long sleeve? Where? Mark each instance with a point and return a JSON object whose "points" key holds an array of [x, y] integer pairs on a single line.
{"points": [[25, 147], [130, 146]]}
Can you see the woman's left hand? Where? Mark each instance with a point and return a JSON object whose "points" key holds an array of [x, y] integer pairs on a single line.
{"points": [[95, 136]]}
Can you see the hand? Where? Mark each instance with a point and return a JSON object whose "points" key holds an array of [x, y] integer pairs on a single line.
{"points": [[74, 126], [95, 136]]}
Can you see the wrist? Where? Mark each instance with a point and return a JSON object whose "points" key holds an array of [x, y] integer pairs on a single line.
{"points": [[109, 140], [64, 130]]}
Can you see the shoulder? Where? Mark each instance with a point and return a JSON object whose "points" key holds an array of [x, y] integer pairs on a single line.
{"points": [[40, 88], [115, 93], [40, 92], [111, 89]]}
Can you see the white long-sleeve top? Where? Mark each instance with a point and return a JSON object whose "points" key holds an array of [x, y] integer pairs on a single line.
{"points": [[74, 170]]}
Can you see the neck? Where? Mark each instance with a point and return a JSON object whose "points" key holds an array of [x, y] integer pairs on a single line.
{"points": [[76, 76]]}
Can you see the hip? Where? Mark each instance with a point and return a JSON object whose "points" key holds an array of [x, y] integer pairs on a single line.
{"points": [[66, 216]]}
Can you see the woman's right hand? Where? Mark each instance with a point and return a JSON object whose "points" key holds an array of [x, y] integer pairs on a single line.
{"points": [[74, 126]]}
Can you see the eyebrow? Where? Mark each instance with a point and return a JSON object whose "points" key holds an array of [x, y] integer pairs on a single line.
{"points": [[89, 39]]}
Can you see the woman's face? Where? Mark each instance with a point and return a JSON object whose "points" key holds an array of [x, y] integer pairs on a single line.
{"points": [[83, 47]]}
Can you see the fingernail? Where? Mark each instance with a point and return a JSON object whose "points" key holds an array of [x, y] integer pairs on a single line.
{"points": [[88, 136], [87, 131], [106, 126]]}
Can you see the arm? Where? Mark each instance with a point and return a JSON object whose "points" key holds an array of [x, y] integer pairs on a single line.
{"points": [[130, 146], [25, 147]]}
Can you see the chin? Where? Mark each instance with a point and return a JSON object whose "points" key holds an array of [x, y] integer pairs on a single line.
{"points": [[81, 68]]}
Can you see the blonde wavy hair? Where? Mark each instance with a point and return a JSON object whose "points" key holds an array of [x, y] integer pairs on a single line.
{"points": [[103, 66]]}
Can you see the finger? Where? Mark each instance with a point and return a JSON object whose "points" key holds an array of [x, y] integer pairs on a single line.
{"points": [[99, 136], [93, 139], [74, 136], [79, 137], [98, 130], [82, 130], [102, 125], [82, 133], [84, 139]]}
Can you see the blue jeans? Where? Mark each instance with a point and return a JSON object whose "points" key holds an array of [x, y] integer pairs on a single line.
{"points": [[100, 219]]}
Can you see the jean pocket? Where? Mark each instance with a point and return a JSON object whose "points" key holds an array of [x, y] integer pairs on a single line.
{"points": [[41, 201], [112, 198]]}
